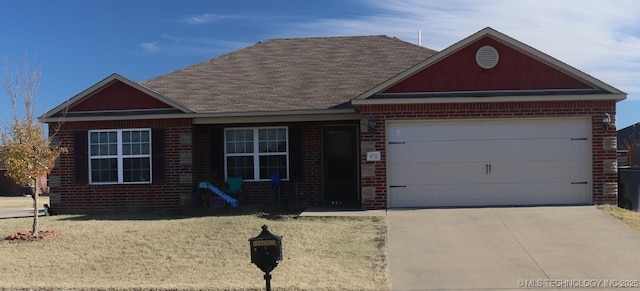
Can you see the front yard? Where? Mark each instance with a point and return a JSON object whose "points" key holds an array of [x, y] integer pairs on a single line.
{"points": [[161, 252], [207, 252]]}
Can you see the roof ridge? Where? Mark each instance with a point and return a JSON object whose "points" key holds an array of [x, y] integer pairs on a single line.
{"points": [[286, 39], [327, 37]]}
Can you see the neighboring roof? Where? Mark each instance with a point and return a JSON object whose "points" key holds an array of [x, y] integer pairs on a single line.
{"points": [[290, 74], [611, 92], [628, 136], [635, 126]]}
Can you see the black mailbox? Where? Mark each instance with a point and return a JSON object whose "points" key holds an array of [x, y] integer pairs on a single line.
{"points": [[266, 250]]}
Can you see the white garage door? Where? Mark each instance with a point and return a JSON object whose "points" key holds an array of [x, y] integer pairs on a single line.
{"points": [[489, 162]]}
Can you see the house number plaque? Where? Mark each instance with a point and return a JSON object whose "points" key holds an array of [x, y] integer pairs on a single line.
{"points": [[373, 156]]}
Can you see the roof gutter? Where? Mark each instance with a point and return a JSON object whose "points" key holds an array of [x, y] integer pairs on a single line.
{"points": [[491, 99], [224, 117]]}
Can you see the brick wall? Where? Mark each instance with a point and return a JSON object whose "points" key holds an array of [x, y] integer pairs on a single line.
{"points": [[8, 187], [604, 191], [188, 161], [69, 196], [309, 186]]}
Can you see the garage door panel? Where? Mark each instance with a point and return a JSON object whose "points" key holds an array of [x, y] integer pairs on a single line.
{"points": [[433, 152], [552, 171], [538, 171], [533, 149], [492, 129], [491, 162], [488, 150], [438, 173], [489, 194], [442, 151]]}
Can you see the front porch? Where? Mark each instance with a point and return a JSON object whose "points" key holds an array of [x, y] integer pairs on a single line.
{"points": [[318, 162]]}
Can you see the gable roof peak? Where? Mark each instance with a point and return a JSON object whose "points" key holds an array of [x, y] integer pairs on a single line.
{"points": [[505, 39], [115, 77]]}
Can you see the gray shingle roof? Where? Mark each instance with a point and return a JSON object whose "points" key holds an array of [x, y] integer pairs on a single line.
{"points": [[289, 74]]}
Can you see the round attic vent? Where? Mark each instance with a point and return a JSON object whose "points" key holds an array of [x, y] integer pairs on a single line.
{"points": [[487, 57]]}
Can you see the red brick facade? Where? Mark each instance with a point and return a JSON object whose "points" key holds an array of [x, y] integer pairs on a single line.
{"points": [[182, 177], [69, 196], [306, 183], [594, 109], [188, 157]]}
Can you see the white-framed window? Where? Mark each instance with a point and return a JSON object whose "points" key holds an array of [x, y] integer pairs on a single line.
{"points": [[255, 154], [120, 156]]}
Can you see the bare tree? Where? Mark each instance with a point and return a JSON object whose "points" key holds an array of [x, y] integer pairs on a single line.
{"points": [[26, 150]]}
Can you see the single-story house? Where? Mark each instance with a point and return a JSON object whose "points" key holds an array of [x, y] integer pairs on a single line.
{"points": [[629, 146], [8, 187], [371, 121]]}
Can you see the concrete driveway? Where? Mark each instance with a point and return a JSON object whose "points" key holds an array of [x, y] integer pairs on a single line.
{"points": [[551, 248]]}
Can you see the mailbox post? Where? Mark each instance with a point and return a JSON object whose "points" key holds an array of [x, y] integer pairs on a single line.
{"points": [[266, 252]]}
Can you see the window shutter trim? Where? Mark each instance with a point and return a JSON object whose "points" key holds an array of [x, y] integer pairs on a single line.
{"points": [[157, 158], [296, 161], [217, 154], [81, 157]]}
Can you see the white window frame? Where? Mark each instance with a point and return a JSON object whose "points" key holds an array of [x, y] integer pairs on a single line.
{"points": [[256, 152], [120, 156]]}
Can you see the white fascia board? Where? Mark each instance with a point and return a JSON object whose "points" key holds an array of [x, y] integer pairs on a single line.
{"points": [[114, 117], [277, 116], [438, 100], [227, 117]]}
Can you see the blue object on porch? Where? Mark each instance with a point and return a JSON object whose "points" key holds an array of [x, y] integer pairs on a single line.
{"points": [[275, 180], [214, 189], [275, 188]]}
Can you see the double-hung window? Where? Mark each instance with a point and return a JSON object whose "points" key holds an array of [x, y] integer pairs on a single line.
{"points": [[120, 156], [256, 154]]}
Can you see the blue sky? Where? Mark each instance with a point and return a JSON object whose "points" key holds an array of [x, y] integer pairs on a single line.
{"points": [[78, 43]]}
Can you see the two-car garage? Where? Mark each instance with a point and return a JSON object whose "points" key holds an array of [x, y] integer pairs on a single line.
{"points": [[488, 121], [533, 161]]}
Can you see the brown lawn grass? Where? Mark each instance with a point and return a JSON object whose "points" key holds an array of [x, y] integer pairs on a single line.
{"points": [[155, 252], [630, 218]]}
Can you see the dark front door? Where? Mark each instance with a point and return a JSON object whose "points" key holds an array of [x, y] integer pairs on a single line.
{"points": [[340, 164]]}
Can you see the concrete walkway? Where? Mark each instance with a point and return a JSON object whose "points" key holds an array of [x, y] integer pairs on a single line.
{"points": [[340, 211], [545, 248]]}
